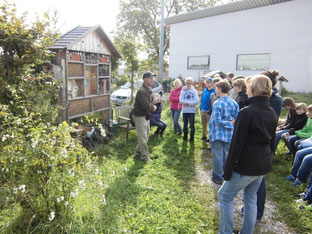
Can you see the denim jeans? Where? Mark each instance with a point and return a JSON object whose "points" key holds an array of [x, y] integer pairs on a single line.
{"points": [[278, 136], [161, 125], [188, 117], [300, 155], [226, 194], [175, 117], [308, 195], [305, 168], [220, 151], [293, 143], [261, 196]]}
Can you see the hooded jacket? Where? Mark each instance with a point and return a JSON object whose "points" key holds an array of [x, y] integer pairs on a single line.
{"points": [[191, 97]]}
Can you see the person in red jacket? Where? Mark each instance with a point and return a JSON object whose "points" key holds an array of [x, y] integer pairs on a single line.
{"points": [[175, 106]]}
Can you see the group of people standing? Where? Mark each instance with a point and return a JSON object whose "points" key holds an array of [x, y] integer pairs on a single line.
{"points": [[242, 114]]}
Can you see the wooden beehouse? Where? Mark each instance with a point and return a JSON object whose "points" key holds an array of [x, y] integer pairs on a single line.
{"points": [[83, 61]]}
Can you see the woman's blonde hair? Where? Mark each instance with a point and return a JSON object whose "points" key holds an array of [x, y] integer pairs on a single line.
{"points": [[260, 85], [302, 105], [177, 81]]}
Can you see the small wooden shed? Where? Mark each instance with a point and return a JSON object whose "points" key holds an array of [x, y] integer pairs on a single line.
{"points": [[83, 59]]}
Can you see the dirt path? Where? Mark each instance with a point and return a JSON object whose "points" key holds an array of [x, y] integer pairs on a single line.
{"points": [[270, 221]]}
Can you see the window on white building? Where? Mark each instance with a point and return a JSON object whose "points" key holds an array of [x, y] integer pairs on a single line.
{"points": [[198, 62], [252, 61]]}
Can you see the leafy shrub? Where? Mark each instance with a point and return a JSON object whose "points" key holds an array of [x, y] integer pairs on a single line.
{"points": [[41, 166]]}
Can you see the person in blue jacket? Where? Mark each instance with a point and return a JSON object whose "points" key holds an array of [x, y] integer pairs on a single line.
{"points": [[205, 107]]}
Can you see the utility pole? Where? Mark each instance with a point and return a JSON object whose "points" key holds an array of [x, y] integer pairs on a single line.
{"points": [[161, 47]]}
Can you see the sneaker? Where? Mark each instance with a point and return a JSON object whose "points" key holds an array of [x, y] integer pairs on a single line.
{"points": [[216, 181], [236, 231], [301, 200], [147, 160], [301, 194], [296, 183], [290, 178], [204, 138], [207, 141]]}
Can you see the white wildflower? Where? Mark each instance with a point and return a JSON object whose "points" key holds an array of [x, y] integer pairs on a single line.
{"points": [[22, 188], [59, 199], [82, 184], [96, 171], [101, 183], [106, 186], [52, 215], [74, 194], [39, 172], [64, 153], [103, 199], [66, 203], [15, 190], [34, 143], [113, 173]]}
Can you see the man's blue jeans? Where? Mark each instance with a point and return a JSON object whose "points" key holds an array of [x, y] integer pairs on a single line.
{"points": [[188, 117], [220, 151], [298, 162], [278, 136], [175, 116], [226, 194]]}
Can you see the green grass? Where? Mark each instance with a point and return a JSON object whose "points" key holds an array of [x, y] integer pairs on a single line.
{"points": [[158, 197]]}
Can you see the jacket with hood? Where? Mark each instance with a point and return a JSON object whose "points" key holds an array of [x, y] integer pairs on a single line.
{"points": [[191, 97]]}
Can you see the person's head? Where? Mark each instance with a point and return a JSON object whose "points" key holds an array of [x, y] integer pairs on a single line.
{"points": [[208, 83], [237, 77], [239, 85], [215, 81], [310, 111], [217, 75], [177, 83], [189, 82], [301, 108], [229, 76], [272, 76], [148, 79], [259, 85], [222, 87], [289, 103], [156, 97]]}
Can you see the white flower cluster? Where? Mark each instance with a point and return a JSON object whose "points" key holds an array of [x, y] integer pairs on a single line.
{"points": [[59, 199], [103, 199], [74, 194], [82, 184], [22, 188]]}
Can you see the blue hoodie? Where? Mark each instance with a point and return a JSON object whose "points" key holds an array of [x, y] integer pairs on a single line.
{"points": [[191, 97], [205, 104]]}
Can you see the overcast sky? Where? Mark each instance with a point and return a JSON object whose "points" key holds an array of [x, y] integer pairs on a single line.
{"points": [[72, 13]]}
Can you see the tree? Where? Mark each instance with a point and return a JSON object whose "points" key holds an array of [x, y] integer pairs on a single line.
{"points": [[140, 19], [128, 48]]}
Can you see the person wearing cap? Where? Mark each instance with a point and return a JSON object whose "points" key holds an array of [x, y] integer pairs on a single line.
{"points": [[141, 114], [205, 107]]}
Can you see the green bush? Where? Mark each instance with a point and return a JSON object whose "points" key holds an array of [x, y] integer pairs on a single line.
{"points": [[40, 168]]}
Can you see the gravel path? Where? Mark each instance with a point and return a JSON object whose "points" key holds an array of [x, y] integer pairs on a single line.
{"points": [[270, 221]]}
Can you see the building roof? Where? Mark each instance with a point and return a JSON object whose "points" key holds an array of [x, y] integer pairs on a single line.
{"points": [[222, 9], [76, 34]]}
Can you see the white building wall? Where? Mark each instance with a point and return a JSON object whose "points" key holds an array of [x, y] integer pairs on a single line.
{"points": [[283, 30]]}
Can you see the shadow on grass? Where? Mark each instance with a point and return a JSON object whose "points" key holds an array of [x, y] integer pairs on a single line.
{"points": [[122, 193], [180, 157]]}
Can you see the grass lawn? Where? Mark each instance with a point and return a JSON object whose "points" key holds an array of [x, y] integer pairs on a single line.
{"points": [[165, 196], [158, 197]]}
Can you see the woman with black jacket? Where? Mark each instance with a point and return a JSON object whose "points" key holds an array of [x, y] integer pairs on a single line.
{"points": [[250, 155]]}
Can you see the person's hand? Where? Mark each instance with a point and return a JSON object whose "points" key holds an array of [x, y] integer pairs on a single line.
{"points": [[185, 104], [278, 128], [154, 108], [232, 122]]}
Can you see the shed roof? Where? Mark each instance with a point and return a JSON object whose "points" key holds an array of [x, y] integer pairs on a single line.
{"points": [[222, 9], [76, 34]]}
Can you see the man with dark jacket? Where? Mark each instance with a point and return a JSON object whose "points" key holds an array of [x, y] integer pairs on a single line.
{"points": [[141, 114]]}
